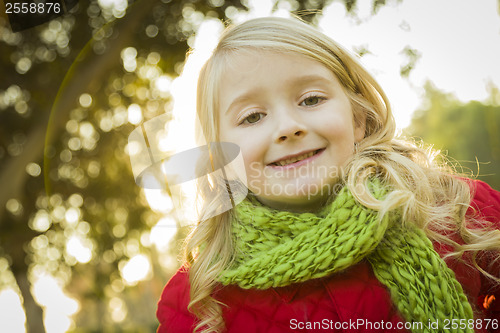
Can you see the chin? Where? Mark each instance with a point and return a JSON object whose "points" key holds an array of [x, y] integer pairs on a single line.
{"points": [[298, 203], [307, 204]]}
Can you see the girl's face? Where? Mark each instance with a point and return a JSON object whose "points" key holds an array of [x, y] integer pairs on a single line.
{"points": [[294, 124]]}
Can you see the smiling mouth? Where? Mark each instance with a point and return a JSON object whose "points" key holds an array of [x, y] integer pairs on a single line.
{"points": [[295, 159]]}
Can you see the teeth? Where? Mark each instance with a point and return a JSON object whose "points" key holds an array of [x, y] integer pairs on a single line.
{"points": [[295, 159]]}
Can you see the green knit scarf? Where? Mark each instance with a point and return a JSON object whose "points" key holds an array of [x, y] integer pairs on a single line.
{"points": [[277, 248]]}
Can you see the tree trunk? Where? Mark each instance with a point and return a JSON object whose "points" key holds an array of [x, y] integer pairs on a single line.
{"points": [[33, 311], [14, 245], [19, 267]]}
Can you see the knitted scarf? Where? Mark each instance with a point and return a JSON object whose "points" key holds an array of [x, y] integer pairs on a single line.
{"points": [[277, 248]]}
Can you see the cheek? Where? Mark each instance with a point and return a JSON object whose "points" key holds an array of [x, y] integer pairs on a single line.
{"points": [[224, 133], [252, 158], [250, 150], [340, 132], [254, 170]]}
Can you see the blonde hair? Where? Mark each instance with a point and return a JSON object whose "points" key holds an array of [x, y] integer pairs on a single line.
{"points": [[424, 190]]}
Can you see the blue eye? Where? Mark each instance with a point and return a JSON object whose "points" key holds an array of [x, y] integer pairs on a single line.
{"points": [[253, 118]]}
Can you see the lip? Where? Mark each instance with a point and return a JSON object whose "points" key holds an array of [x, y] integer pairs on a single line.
{"points": [[299, 163]]}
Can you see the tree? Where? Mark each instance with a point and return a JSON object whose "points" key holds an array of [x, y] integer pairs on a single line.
{"points": [[467, 133], [64, 173], [84, 160]]}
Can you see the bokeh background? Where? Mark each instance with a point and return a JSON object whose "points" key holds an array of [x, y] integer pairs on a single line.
{"points": [[82, 247]]}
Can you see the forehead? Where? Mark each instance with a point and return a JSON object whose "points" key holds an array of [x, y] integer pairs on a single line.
{"points": [[246, 61], [248, 72]]}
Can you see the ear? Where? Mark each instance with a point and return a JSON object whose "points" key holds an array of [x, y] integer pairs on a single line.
{"points": [[359, 122]]}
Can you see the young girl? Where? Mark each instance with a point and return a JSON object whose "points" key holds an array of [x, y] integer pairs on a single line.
{"points": [[345, 228]]}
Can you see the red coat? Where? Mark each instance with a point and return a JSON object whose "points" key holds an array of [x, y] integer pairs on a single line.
{"points": [[350, 301]]}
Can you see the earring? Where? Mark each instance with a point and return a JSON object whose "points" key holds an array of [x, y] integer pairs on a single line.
{"points": [[355, 147]]}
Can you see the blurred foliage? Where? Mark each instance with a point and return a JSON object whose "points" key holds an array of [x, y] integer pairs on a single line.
{"points": [[469, 134], [69, 206], [412, 56]]}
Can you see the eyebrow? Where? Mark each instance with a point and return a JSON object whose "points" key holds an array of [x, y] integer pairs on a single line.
{"points": [[240, 99], [295, 82], [311, 78]]}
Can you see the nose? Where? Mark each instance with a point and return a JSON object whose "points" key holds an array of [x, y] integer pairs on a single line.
{"points": [[290, 128]]}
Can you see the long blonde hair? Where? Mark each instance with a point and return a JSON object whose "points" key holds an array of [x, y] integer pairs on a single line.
{"points": [[424, 190]]}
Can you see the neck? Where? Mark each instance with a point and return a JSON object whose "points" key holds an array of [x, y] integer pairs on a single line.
{"points": [[310, 205]]}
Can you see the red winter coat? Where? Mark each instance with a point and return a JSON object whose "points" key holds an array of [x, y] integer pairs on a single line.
{"points": [[350, 301]]}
